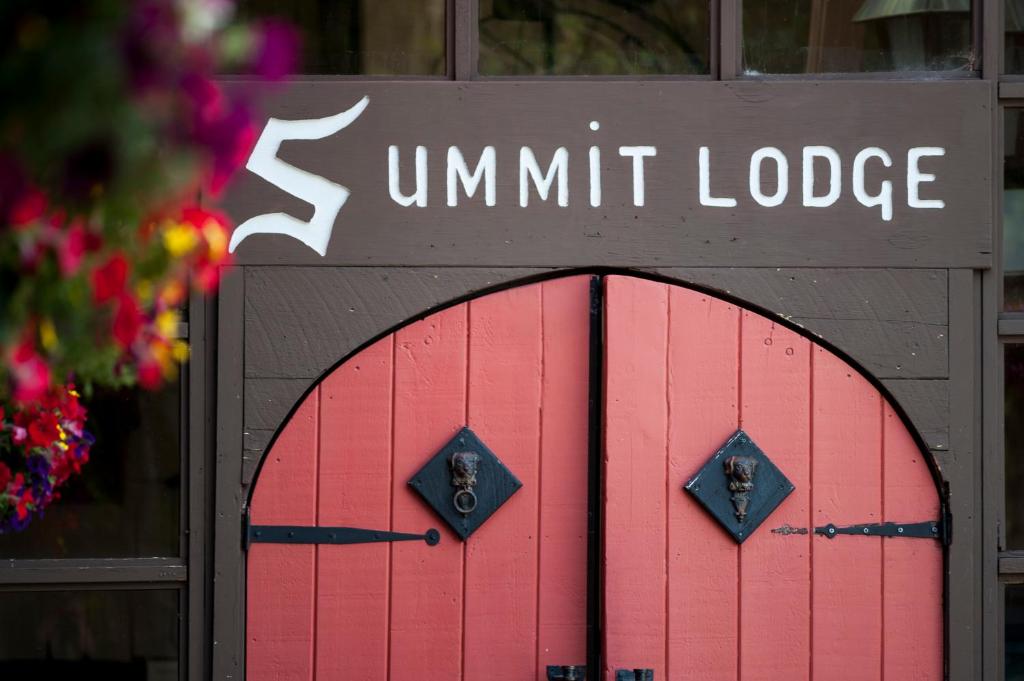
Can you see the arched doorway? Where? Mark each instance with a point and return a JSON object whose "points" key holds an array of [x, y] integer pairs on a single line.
{"points": [[603, 398]]}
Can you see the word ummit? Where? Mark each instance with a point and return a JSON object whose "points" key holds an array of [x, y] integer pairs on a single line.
{"points": [[870, 180]]}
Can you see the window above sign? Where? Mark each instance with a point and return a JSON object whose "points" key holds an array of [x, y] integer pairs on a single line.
{"points": [[362, 37], [594, 37], [856, 36]]}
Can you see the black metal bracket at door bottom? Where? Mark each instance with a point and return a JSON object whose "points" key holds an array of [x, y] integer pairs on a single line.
{"points": [[634, 675], [567, 672], [293, 534]]}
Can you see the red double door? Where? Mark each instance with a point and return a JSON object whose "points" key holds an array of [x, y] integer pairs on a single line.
{"points": [[672, 591]]}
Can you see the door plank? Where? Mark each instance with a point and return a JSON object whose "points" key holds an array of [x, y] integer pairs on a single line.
{"points": [[775, 569], [426, 583], [355, 491], [703, 382], [280, 581], [562, 582], [635, 476], [847, 476], [500, 618], [912, 586]]}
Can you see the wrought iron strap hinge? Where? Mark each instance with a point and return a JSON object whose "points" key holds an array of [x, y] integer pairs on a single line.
{"points": [[931, 529], [927, 530], [298, 534]]}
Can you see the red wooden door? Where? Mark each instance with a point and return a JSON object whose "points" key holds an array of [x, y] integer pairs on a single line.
{"points": [[512, 598], [684, 371]]}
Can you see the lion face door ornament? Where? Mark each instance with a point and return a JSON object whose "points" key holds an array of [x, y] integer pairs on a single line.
{"points": [[739, 486], [465, 483]]}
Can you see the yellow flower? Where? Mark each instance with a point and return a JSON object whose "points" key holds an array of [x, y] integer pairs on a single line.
{"points": [[179, 349], [144, 290], [180, 239], [48, 334], [167, 323], [216, 239]]}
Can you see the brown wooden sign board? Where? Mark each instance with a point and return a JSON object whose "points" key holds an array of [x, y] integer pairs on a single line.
{"points": [[931, 142]]}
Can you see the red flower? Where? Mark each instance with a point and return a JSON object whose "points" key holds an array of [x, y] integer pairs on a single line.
{"points": [[30, 373], [23, 503], [127, 321], [150, 376], [28, 208], [5, 476], [109, 279], [71, 249], [71, 409], [43, 431]]}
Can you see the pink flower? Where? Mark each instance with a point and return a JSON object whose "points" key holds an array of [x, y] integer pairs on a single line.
{"points": [[30, 373], [71, 249]]}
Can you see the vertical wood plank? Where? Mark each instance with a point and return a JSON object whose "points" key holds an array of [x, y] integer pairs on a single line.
{"points": [[426, 583], [501, 557], [775, 569], [846, 571], [703, 403], [281, 590], [635, 475], [562, 581], [355, 491], [912, 581]]}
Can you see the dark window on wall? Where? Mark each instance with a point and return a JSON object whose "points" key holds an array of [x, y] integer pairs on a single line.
{"points": [[594, 37], [126, 502], [97, 588], [95, 634], [1014, 39], [1013, 210], [362, 37], [850, 36], [1014, 654], [1013, 368]]}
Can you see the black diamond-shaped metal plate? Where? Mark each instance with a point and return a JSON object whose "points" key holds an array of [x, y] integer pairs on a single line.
{"points": [[710, 486], [495, 484]]}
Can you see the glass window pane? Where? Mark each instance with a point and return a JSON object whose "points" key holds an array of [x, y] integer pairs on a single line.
{"points": [[126, 501], [594, 37], [89, 635], [849, 36], [1013, 210], [1014, 632], [1013, 372], [1014, 36], [362, 37]]}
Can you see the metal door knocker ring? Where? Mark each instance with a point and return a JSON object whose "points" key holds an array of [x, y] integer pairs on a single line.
{"points": [[464, 467]]}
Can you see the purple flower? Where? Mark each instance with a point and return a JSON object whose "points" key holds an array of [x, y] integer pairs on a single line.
{"points": [[277, 49]]}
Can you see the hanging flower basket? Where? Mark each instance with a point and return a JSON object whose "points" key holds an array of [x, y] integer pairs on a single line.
{"points": [[41, 447]]}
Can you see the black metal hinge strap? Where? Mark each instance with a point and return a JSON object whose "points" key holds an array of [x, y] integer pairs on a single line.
{"points": [[931, 529], [291, 534]]}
